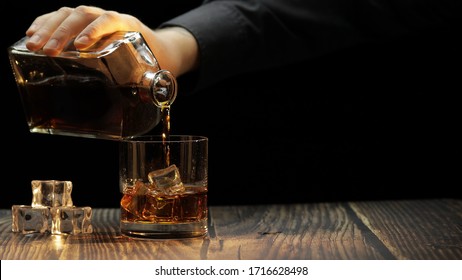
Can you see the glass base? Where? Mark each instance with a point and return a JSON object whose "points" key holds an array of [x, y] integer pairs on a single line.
{"points": [[163, 231]]}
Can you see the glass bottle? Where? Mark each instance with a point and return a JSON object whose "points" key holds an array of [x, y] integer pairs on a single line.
{"points": [[112, 90]]}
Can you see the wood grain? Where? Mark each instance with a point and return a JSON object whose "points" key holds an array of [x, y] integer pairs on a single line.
{"points": [[298, 231], [416, 229], [369, 230]]}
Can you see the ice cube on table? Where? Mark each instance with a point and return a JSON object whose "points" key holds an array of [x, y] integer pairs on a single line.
{"points": [[166, 181], [27, 219], [51, 193], [71, 220]]}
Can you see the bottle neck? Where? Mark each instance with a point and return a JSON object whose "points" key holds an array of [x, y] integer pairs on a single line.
{"points": [[162, 87]]}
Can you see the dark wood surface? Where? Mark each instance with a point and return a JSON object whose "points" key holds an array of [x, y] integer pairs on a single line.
{"points": [[376, 230]]}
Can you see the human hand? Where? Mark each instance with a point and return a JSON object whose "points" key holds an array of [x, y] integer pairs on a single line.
{"points": [[175, 48], [51, 32]]}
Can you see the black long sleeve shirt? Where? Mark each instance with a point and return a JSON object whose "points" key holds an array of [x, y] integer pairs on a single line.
{"points": [[238, 36]]}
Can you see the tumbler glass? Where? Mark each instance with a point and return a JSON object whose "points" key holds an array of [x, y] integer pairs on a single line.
{"points": [[164, 185]]}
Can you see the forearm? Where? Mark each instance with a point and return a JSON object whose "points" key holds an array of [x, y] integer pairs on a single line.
{"points": [[175, 48]]}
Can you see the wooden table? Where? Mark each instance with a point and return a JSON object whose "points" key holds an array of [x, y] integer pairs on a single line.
{"points": [[368, 230]]}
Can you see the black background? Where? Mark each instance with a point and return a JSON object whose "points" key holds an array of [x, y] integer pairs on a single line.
{"points": [[377, 121]]}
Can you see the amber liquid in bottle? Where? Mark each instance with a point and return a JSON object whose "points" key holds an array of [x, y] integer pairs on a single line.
{"points": [[88, 105]]}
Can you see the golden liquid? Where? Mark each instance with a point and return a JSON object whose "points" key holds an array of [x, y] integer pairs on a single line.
{"points": [[189, 206]]}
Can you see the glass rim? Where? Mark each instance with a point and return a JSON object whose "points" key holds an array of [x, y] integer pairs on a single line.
{"points": [[176, 138]]}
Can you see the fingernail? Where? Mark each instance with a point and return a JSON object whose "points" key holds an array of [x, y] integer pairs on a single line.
{"points": [[35, 39], [83, 40], [52, 44]]}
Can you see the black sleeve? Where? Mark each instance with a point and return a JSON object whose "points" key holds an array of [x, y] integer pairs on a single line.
{"points": [[239, 36]]}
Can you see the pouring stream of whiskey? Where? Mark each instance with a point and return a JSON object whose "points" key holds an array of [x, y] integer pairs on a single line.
{"points": [[165, 112]]}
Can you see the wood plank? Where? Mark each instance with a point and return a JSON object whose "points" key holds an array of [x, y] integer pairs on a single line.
{"points": [[298, 231], [317, 231], [416, 229], [429, 229]]}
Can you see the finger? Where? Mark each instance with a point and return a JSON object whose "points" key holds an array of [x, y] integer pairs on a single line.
{"points": [[37, 23], [70, 27], [107, 23], [44, 26]]}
